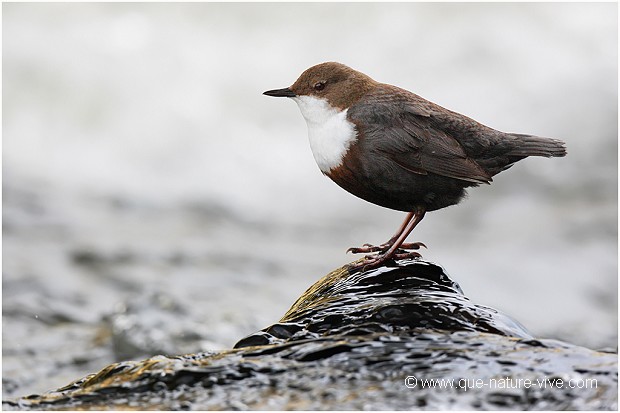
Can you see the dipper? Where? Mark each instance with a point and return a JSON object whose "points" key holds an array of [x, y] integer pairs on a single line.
{"points": [[395, 149]]}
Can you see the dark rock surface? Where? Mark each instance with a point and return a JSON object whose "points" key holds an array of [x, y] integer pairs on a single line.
{"points": [[364, 340]]}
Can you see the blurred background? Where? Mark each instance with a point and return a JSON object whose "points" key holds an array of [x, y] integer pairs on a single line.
{"points": [[155, 202]]}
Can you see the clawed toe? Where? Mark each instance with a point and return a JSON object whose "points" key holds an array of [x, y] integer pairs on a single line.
{"points": [[406, 255], [369, 248], [384, 254], [395, 248], [413, 246], [376, 260]]}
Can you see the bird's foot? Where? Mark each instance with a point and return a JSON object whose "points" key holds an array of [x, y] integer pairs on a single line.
{"points": [[376, 260], [368, 248]]}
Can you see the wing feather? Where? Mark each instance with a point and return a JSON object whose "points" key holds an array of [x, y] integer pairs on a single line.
{"points": [[410, 138]]}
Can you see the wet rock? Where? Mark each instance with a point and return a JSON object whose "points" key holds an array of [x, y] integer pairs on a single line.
{"points": [[402, 336], [405, 296]]}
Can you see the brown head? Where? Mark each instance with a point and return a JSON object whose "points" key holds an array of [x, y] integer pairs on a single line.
{"points": [[334, 82]]}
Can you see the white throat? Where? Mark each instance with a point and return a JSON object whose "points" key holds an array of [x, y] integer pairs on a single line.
{"points": [[329, 131]]}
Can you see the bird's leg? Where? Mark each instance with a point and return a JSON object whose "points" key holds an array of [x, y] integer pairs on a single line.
{"points": [[368, 248], [395, 251], [418, 214]]}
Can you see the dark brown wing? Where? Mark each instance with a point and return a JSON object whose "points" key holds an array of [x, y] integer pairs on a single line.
{"points": [[407, 134]]}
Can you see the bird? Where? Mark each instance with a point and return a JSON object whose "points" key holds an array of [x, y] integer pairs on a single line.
{"points": [[393, 148]]}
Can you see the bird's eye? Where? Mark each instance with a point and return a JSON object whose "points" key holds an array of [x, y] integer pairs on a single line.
{"points": [[319, 86]]}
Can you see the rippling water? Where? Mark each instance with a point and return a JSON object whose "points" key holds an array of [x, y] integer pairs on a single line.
{"points": [[364, 333], [155, 202]]}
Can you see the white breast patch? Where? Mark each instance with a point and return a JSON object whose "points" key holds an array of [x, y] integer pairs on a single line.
{"points": [[329, 131]]}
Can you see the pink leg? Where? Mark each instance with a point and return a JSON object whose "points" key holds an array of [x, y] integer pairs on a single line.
{"points": [[395, 244], [403, 229]]}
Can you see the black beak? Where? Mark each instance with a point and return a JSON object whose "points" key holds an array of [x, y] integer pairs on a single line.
{"points": [[286, 93]]}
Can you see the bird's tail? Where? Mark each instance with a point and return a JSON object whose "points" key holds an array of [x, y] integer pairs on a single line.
{"points": [[528, 145]]}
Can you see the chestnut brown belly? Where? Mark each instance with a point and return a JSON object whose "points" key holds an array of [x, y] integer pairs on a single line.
{"points": [[393, 187]]}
